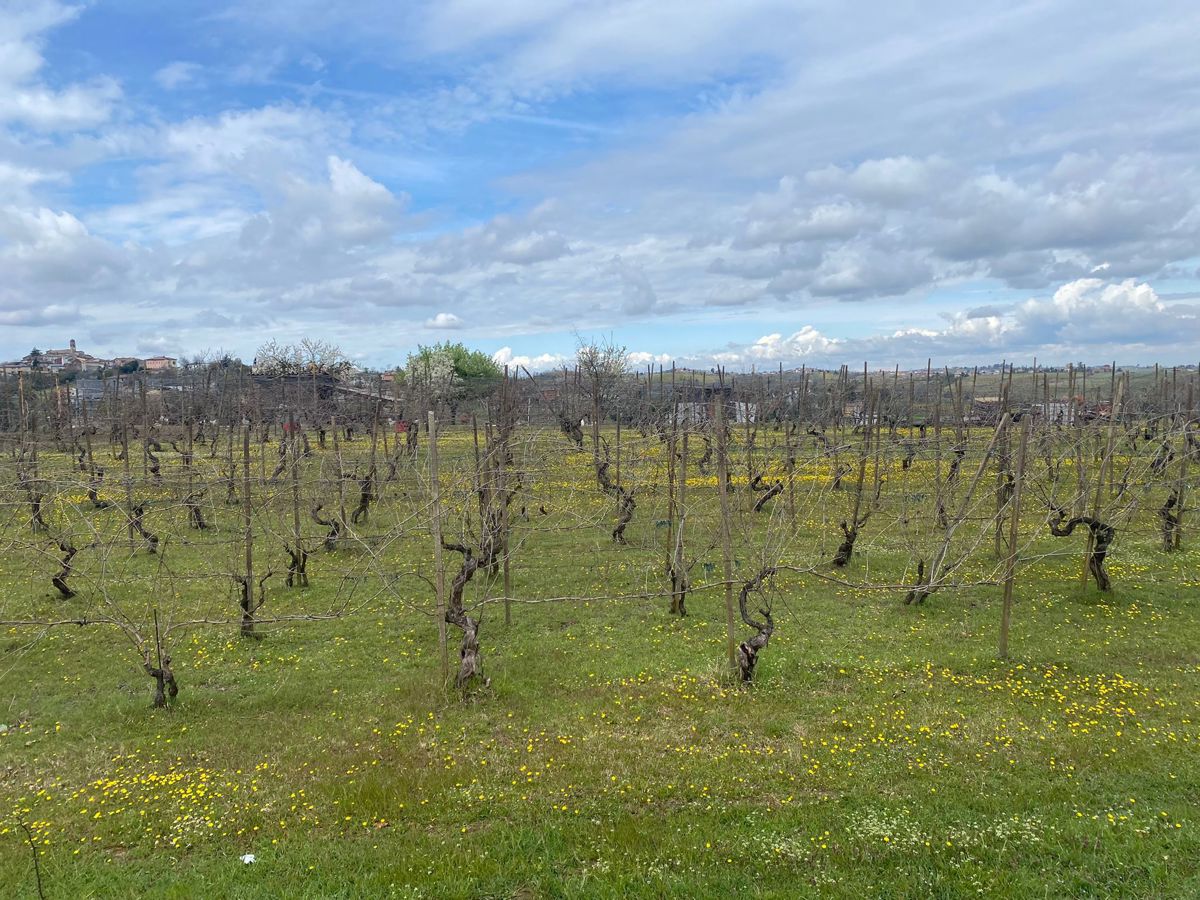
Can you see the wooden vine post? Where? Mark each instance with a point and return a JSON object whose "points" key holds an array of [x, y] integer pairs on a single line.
{"points": [[1014, 529], [726, 535], [439, 564], [248, 537]]}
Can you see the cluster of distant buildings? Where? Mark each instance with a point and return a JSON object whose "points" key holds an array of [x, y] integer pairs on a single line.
{"points": [[74, 360]]}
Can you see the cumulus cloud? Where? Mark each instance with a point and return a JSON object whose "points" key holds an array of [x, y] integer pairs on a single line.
{"points": [[18, 181], [535, 363], [517, 241], [891, 181], [48, 251], [803, 343], [542, 362], [29, 316], [642, 358], [637, 293], [24, 97], [444, 320], [1126, 320], [788, 216]]}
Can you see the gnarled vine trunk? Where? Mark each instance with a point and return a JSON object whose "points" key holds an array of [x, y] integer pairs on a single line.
{"points": [[748, 650]]}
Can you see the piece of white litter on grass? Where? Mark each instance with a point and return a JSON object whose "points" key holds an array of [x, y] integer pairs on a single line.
{"points": [[248, 858]]}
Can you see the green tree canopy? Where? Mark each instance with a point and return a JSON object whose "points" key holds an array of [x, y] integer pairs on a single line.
{"points": [[452, 371]]}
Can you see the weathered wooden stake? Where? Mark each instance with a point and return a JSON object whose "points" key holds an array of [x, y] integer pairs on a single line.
{"points": [[1014, 529], [439, 564], [726, 533]]}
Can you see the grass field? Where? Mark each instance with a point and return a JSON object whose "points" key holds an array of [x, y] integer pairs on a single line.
{"points": [[883, 750]]}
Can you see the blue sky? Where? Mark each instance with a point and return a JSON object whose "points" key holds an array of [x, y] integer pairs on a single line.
{"points": [[746, 183]]}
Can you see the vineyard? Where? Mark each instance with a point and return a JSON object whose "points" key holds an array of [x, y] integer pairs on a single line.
{"points": [[601, 633]]}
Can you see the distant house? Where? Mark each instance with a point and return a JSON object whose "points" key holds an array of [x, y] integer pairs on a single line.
{"points": [[699, 405], [159, 363], [1060, 412], [855, 412]]}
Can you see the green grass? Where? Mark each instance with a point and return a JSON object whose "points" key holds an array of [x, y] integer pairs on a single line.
{"points": [[884, 750]]}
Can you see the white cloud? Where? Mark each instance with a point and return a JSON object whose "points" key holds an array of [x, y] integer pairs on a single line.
{"points": [[26, 99], [896, 180], [538, 363], [444, 320], [803, 343], [49, 251], [37, 316], [641, 358], [178, 74], [1124, 320], [519, 241], [17, 182], [260, 144], [638, 293]]}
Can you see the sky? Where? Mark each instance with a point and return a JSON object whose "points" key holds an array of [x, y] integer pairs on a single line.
{"points": [[744, 183]]}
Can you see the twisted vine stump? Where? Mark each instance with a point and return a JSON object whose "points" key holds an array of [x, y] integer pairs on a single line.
{"points": [[960, 453], [195, 513], [412, 440], [1191, 438], [164, 679], [570, 427], [154, 467], [602, 477], [334, 525], [247, 602], [770, 491], [1168, 515], [36, 520], [366, 495], [918, 593], [297, 573], [1102, 535], [60, 580], [626, 504], [748, 650], [839, 473], [859, 515], [1162, 459], [681, 583], [706, 458], [93, 491], [281, 465], [137, 524], [185, 454], [845, 549], [470, 663]]}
